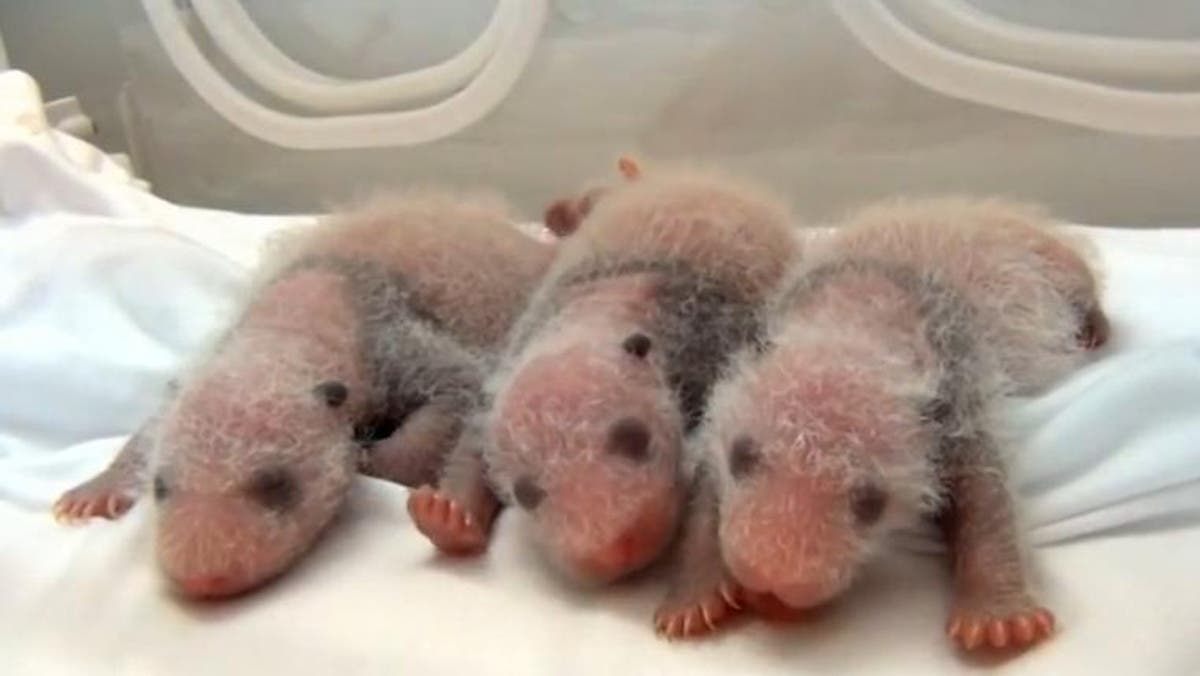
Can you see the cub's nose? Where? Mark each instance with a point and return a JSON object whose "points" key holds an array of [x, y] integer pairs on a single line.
{"points": [[207, 586]]}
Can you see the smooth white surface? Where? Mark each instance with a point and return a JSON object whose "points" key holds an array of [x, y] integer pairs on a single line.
{"points": [[105, 288]]}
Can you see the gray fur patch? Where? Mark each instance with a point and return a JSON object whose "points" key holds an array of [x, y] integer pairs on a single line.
{"points": [[699, 323], [410, 356]]}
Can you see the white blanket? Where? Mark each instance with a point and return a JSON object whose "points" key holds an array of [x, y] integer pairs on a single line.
{"points": [[104, 289]]}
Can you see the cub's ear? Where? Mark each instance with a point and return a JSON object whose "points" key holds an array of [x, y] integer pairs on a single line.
{"points": [[332, 392], [638, 345]]}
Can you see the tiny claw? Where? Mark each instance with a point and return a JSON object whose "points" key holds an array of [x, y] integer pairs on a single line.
{"points": [[687, 624], [707, 618], [1023, 630], [1044, 620], [727, 593], [66, 514], [997, 634], [972, 635]]}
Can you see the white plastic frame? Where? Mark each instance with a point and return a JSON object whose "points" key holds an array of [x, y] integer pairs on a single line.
{"points": [[236, 34], [1002, 40], [1017, 89], [410, 127]]}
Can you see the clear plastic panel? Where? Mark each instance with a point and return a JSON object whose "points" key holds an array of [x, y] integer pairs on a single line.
{"points": [[778, 89]]}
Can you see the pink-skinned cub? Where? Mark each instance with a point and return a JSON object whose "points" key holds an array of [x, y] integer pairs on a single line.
{"points": [[873, 406], [609, 370], [361, 347]]}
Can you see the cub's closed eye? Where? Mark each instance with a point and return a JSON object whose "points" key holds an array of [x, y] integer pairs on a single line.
{"points": [[638, 345], [744, 457], [332, 392], [274, 488], [160, 488], [528, 494], [630, 439], [867, 502]]}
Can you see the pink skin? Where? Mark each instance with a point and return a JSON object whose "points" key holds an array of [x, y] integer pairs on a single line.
{"points": [[604, 515], [835, 437], [831, 423], [792, 526], [703, 594], [251, 408], [252, 458], [216, 534], [787, 524]]}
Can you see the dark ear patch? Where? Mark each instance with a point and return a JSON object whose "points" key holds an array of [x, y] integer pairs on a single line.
{"points": [[638, 345], [562, 218], [332, 392], [743, 457], [528, 494], [867, 501], [630, 438], [274, 488]]}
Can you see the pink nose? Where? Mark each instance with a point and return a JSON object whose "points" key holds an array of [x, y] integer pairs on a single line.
{"points": [[750, 576], [614, 560], [804, 594], [793, 593], [202, 586]]}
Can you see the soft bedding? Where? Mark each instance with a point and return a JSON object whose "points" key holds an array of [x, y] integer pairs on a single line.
{"points": [[105, 289]]}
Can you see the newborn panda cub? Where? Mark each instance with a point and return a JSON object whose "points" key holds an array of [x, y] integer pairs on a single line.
{"points": [[609, 369], [874, 407], [362, 346]]}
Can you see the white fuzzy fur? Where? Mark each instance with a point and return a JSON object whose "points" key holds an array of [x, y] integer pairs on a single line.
{"points": [[1021, 285], [247, 402], [730, 230]]}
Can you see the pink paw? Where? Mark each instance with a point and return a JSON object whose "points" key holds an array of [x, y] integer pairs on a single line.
{"points": [[697, 617], [1003, 625], [97, 497], [450, 527]]}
